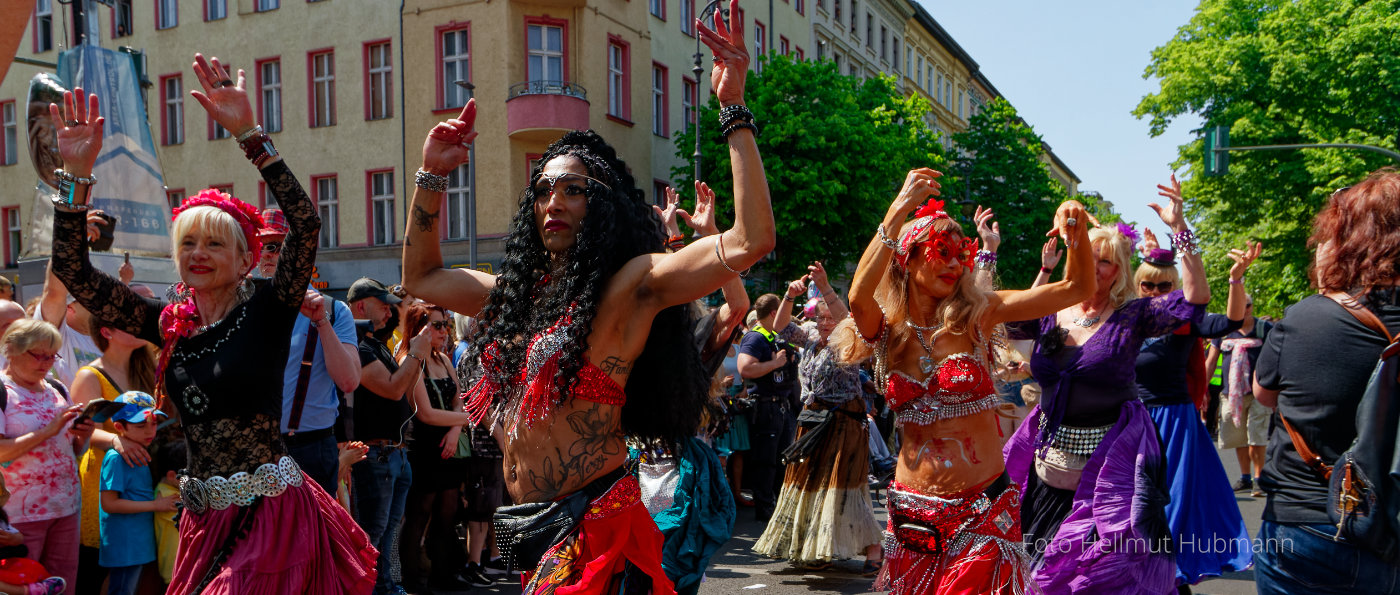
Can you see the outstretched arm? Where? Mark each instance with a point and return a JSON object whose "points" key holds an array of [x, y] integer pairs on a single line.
{"points": [[79, 142], [920, 185], [464, 290], [1080, 282], [708, 263], [1193, 274]]}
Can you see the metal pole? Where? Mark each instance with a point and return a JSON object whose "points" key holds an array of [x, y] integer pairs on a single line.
{"points": [[695, 101], [1387, 152]]}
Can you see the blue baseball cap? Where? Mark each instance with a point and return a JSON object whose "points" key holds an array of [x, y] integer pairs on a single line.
{"points": [[139, 407]]}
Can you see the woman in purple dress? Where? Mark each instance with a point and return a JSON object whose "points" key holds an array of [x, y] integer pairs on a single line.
{"points": [[1088, 460]]}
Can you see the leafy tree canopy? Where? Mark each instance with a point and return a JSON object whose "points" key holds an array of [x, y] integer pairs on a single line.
{"points": [[1001, 168], [835, 148], [1277, 72]]}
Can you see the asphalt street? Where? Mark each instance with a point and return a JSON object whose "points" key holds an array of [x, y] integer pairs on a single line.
{"points": [[736, 569]]}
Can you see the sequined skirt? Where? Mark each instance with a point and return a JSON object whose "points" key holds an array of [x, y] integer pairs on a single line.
{"points": [[966, 543]]}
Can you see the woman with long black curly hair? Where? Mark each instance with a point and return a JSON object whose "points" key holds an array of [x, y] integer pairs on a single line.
{"points": [[585, 330]]}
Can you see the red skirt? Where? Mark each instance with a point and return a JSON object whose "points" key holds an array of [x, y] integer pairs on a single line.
{"points": [[616, 531], [301, 541]]}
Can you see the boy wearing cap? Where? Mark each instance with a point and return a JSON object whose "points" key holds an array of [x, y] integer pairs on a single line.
{"points": [[127, 516]]}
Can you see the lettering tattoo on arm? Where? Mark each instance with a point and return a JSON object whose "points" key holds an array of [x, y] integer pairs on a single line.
{"points": [[615, 364], [566, 470], [424, 220]]}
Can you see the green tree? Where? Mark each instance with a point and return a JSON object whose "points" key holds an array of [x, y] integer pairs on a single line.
{"points": [[1277, 72], [836, 149], [1001, 168]]}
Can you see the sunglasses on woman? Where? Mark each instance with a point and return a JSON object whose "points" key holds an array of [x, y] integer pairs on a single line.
{"points": [[441, 325], [1163, 287]]}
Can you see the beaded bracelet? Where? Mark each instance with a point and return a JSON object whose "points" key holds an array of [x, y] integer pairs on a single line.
{"points": [[1185, 243], [986, 257], [1236, 281], [258, 148], [735, 127], [430, 181], [728, 114], [68, 177]]}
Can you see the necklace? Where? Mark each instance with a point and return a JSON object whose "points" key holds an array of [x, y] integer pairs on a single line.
{"points": [[1085, 320], [926, 362]]}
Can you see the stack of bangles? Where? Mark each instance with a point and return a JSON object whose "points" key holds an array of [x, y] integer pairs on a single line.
{"points": [[675, 242], [1185, 243], [257, 146], [67, 186], [735, 117]]}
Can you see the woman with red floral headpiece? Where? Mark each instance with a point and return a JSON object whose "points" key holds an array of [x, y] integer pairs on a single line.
{"points": [[253, 522], [916, 307]]}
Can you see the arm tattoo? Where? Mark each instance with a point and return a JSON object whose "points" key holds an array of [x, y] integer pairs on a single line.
{"points": [[615, 364], [424, 220], [597, 441]]}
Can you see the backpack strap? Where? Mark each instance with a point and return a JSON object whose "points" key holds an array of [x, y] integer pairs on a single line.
{"points": [[1366, 317]]}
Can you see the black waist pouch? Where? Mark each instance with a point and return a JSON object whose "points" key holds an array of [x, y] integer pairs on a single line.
{"points": [[524, 532]]}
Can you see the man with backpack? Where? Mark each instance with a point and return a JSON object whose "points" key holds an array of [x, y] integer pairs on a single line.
{"points": [[322, 364], [770, 363]]}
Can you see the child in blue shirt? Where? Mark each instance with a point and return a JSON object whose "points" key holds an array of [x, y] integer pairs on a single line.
{"points": [[128, 502]]}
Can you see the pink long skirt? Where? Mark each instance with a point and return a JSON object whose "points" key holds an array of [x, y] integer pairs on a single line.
{"points": [[300, 542]]}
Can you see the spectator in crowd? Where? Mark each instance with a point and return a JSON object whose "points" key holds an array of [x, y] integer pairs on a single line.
{"points": [[1313, 370], [72, 321], [127, 363], [435, 497], [7, 289], [463, 328], [9, 312], [382, 421], [324, 335], [1243, 420], [170, 458], [485, 483], [20, 575], [128, 500], [37, 449], [770, 362]]}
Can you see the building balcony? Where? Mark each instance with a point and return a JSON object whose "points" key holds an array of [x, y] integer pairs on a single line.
{"points": [[541, 110]]}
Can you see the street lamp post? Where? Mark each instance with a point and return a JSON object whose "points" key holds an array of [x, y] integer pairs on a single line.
{"points": [[471, 183], [710, 9]]}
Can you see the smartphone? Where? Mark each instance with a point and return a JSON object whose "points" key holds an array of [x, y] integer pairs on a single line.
{"points": [[126, 257], [99, 411], [106, 233]]}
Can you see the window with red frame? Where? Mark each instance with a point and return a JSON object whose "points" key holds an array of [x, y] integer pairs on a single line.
{"points": [[172, 116], [688, 17], [43, 26], [322, 75], [167, 14], [660, 115], [544, 52], [381, 199], [327, 196], [455, 65], [619, 104], [14, 231], [270, 94], [783, 45], [657, 8], [658, 189], [801, 7], [379, 77], [215, 10], [174, 196], [9, 133], [689, 90], [760, 44], [458, 197], [123, 18]]}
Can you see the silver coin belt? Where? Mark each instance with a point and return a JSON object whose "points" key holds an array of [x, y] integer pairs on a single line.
{"points": [[1079, 441], [240, 489], [930, 408]]}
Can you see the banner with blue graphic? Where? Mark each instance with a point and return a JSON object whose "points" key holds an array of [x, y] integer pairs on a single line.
{"points": [[129, 185]]}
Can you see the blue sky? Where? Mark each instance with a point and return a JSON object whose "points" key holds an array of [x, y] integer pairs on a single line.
{"points": [[1074, 72]]}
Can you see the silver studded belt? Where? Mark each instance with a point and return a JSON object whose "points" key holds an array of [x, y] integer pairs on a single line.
{"points": [[1080, 441], [240, 489], [929, 409]]}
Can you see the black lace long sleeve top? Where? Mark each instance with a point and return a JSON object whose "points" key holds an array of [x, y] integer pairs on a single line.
{"points": [[226, 382]]}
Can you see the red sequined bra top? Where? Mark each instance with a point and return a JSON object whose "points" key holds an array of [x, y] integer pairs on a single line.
{"points": [[538, 389], [959, 385]]}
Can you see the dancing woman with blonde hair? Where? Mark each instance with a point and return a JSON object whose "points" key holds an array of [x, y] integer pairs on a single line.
{"points": [[917, 309]]}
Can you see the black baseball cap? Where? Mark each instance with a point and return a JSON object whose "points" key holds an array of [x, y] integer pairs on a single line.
{"points": [[365, 287]]}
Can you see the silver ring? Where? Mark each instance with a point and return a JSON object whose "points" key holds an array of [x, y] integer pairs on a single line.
{"points": [[70, 123], [1071, 222], [224, 83]]}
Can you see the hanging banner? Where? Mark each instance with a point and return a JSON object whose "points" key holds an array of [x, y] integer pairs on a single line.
{"points": [[130, 187]]}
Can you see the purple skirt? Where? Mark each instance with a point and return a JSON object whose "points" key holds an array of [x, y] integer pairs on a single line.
{"points": [[1112, 538]]}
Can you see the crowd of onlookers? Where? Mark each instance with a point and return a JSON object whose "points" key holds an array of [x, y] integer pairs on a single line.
{"points": [[371, 412]]}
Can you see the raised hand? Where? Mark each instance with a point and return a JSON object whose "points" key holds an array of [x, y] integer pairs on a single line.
{"points": [[1050, 253], [1172, 214], [703, 220], [797, 288], [731, 59], [1149, 242], [988, 230], [449, 143], [817, 273], [668, 214], [224, 99], [313, 305], [1244, 258], [1072, 223], [80, 135], [920, 185]]}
